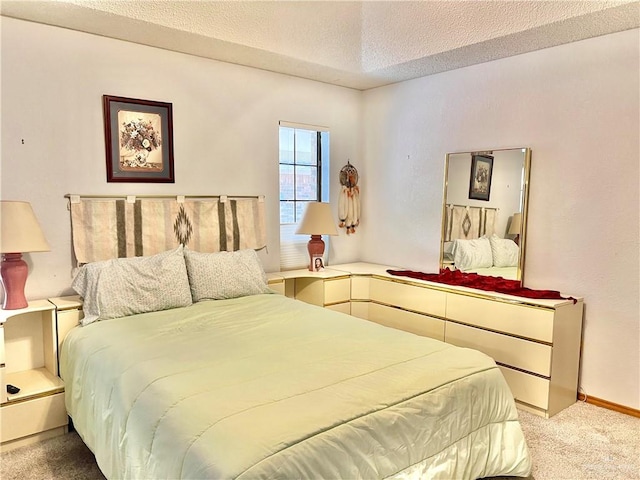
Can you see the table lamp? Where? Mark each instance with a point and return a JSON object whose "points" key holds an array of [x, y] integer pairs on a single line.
{"points": [[19, 233], [516, 225], [316, 221]]}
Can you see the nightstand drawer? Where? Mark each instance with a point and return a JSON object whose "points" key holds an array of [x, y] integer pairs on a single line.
{"points": [[3, 382], [34, 416], [360, 309], [344, 307], [360, 287], [337, 291], [1, 346], [323, 291]]}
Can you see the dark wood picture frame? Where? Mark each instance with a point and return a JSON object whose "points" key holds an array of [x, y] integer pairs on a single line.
{"points": [[138, 139], [480, 179]]}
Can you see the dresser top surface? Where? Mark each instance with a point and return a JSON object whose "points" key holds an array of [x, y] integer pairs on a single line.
{"points": [[363, 268]]}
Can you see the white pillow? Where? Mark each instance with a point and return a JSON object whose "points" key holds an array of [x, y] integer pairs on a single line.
{"points": [[217, 276], [448, 250], [471, 254], [126, 286], [505, 252]]}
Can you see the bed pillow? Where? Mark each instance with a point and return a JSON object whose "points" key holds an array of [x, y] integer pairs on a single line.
{"points": [[126, 286], [505, 252], [222, 275], [447, 250], [472, 254]]}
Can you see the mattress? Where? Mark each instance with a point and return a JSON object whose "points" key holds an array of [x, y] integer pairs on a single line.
{"points": [[269, 387]]}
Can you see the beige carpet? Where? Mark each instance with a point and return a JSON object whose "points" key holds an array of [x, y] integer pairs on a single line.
{"points": [[64, 457], [582, 442]]}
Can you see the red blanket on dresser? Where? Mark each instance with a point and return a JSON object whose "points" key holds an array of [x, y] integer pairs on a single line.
{"points": [[481, 282]]}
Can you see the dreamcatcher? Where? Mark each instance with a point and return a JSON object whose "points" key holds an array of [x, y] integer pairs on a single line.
{"points": [[349, 201]]}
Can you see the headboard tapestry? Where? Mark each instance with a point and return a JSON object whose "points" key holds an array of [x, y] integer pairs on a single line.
{"points": [[463, 222], [106, 228]]}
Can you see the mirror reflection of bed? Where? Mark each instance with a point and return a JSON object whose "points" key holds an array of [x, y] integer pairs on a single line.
{"points": [[484, 226]]}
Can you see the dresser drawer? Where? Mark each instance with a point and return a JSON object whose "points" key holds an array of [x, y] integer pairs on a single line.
{"points": [[516, 319], [516, 352], [360, 287], [340, 307], [409, 297], [321, 291], [527, 388], [407, 321], [336, 291], [360, 309], [35, 416]]}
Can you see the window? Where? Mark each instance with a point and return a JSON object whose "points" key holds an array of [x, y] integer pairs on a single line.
{"points": [[304, 166]]}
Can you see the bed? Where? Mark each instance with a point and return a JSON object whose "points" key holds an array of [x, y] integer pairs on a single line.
{"points": [[186, 365]]}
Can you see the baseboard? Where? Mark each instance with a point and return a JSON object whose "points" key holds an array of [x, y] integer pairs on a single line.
{"points": [[609, 405]]}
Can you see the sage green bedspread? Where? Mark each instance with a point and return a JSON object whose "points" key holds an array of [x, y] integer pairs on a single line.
{"points": [[269, 387]]}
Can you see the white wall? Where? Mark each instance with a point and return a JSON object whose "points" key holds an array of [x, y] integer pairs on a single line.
{"points": [[225, 130], [577, 107]]}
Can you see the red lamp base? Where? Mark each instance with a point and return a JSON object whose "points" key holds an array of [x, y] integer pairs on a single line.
{"points": [[13, 272], [316, 249]]}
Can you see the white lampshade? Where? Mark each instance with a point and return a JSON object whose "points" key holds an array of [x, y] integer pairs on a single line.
{"points": [[317, 220], [516, 224], [20, 231]]}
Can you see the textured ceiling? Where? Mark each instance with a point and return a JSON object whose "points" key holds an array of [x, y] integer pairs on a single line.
{"points": [[360, 44]]}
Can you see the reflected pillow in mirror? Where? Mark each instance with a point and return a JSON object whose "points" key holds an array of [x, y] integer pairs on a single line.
{"points": [[447, 251], [471, 254], [505, 252]]}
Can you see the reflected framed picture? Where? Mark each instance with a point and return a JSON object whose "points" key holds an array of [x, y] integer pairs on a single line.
{"points": [[480, 180], [138, 140]]}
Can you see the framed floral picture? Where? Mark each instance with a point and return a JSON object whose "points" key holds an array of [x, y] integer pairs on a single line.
{"points": [[480, 180], [139, 140]]}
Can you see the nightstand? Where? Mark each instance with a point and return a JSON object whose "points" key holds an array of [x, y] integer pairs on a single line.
{"points": [[276, 283], [327, 288], [29, 361]]}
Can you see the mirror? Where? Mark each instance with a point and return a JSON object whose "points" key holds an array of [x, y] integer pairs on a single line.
{"points": [[484, 217]]}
